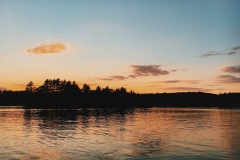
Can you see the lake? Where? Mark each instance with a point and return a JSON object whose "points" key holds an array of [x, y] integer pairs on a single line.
{"points": [[153, 133]]}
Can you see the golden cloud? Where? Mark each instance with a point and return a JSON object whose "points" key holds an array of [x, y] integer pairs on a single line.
{"points": [[47, 48]]}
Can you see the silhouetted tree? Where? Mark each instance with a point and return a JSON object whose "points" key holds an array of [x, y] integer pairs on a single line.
{"points": [[132, 92], [123, 90], [68, 87], [62, 85], [30, 87], [98, 89], [86, 88], [56, 85], [45, 88], [107, 90], [55, 92], [74, 88]]}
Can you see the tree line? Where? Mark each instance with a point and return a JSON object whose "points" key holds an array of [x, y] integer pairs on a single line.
{"points": [[56, 93], [63, 86]]}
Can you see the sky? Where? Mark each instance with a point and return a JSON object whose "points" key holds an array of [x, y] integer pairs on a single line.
{"points": [[147, 46]]}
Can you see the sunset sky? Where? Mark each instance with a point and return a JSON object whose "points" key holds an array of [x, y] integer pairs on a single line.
{"points": [[143, 45]]}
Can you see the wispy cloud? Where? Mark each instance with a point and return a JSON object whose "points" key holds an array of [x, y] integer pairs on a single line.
{"points": [[170, 81], [47, 48], [20, 85], [212, 53], [232, 51], [231, 69], [227, 79], [236, 48], [3, 88], [211, 85], [180, 81], [147, 70], [191, 81], [139, 71], [187, 89], [114, 77]]}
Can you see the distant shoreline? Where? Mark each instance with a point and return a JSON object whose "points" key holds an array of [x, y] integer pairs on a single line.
{"points": [[121, 108], [56, 93], [119, 100]]}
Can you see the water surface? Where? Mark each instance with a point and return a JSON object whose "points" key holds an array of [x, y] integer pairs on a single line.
{"points": [[166, 133]]}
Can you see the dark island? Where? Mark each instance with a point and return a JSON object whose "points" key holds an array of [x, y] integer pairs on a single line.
{"points": [[56, 93]]}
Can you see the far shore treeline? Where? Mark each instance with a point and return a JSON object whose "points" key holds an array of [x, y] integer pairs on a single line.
{"points": [[56, 93]]}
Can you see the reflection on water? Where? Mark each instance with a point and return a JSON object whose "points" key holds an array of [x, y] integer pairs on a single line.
{"points": [[119, 134]]}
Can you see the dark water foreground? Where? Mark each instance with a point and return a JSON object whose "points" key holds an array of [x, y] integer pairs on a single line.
{"points": [[155, 133]]}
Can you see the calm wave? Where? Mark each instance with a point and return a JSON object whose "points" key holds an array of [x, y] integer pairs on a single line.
{"points": [[170, 133]]}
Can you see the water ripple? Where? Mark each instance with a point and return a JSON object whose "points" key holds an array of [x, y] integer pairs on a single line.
{"points": [[119, 134]]}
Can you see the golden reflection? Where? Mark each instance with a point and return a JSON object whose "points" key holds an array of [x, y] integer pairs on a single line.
{"points": [[60, 134]]}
